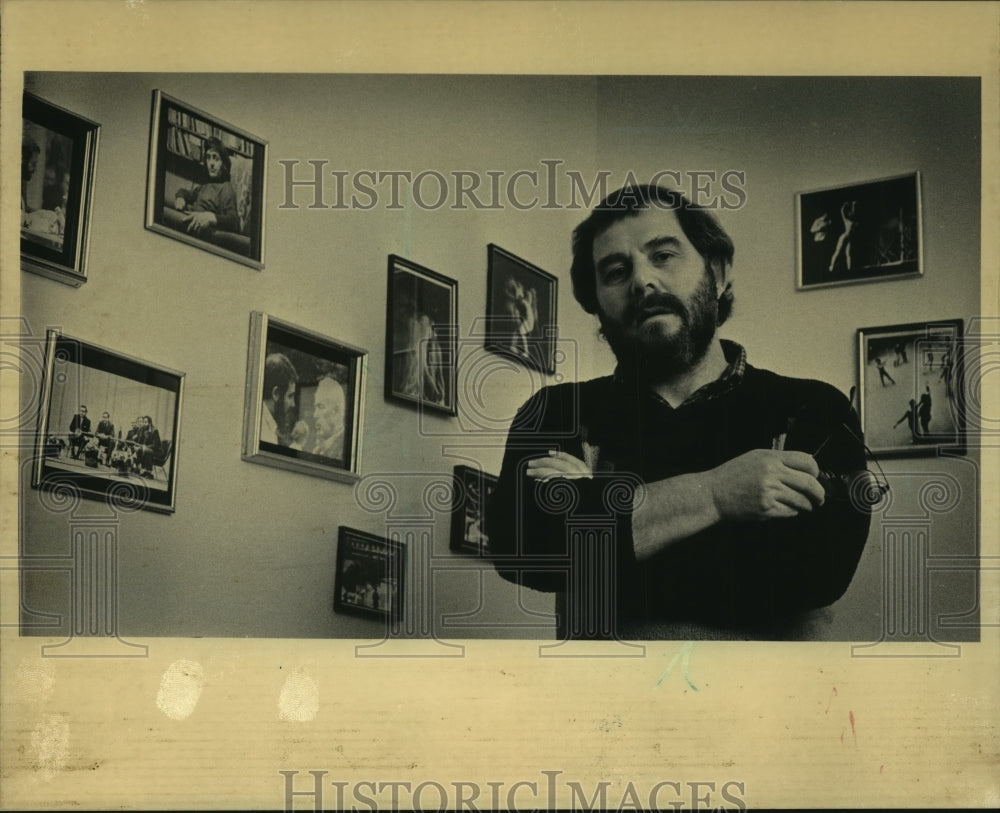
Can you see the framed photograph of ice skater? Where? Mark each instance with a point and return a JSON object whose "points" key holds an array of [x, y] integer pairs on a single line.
{"points": [[472, 491], [521, 303], [206, 181], [108, 426], [58, 162], [369, 579], [421, 337], [864, 232], [304, 400], [910, 378]]}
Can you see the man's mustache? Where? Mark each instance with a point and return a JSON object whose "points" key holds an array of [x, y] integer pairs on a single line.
{"points": [[654, 304]]}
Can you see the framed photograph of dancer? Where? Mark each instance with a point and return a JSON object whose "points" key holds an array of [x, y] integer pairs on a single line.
{"points": [[58, 160], [369, 577], [863, 232], [108, 427], [472, 491], [421, 337], [521, 310], [205, 184], [304, 400], [910, 379]]}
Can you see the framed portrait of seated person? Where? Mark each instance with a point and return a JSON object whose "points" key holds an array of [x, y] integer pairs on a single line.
{"points": [[206, 182], [108, 427], [58, 160]]}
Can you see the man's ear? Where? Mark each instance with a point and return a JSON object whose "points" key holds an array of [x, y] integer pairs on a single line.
{"points": [[722, 272]]}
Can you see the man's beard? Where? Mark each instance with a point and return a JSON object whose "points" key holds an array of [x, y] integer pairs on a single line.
{"points": [[659, 356], [284, 418]]}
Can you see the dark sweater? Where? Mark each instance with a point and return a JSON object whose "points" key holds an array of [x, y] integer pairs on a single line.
{"points": [[754, 579]]}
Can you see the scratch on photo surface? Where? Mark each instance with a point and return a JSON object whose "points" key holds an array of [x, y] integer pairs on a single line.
{"points": [[684, 656]]}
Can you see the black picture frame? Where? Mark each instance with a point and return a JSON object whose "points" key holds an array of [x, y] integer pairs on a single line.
{"points": [[58, 165], [521, 310], [178, 187], [370, 577], [861, 232], [911, 386], [321, 430], [421, 337], [131, 465], [471, 491]]}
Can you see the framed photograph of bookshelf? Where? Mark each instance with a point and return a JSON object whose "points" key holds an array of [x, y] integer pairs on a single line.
{"points": [[205, 184], [58, 158]]}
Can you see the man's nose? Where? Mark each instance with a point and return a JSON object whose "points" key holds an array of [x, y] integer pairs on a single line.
{"points": [[645, 277]]}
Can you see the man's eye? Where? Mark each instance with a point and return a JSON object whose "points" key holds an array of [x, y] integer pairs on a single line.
{"points": [[615, 272], [663, 256]]}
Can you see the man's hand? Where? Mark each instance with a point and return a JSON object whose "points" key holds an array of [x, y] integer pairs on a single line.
{"points": [[199, 222], [558, 464], [763, 484]]}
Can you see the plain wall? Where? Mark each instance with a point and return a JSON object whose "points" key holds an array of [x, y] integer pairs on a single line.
{"points": [[250, 550]]}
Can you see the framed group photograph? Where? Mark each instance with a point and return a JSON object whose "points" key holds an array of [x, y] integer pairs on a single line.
{"points": [[304, 400], [421, 337], [910, 378], [863, 232], [108, 426], [369, 579], [472, 491], [521, 303], [206, 182], [58, 161]]}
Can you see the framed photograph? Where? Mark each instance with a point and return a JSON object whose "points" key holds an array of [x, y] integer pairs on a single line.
{"points": [[472, 491], [304, 400], [521, 310], [864, 232], [108, 426], [58, 160], [421, 337], [369, 579], [206, 182], [910, 378]]}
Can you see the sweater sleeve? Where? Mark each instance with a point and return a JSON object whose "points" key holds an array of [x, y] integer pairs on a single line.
{"points": [[531, 524]]}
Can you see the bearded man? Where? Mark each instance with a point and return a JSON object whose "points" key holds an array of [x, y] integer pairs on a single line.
{"points": [[689, 494]]}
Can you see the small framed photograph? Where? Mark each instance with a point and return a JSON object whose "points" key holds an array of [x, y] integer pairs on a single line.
{"points": [[206, 182], [865, 232], [58, 161], [472, 491], [421, 337], [108, 427], [521, 310], [369, 579], [304, 400], [910, 378]]}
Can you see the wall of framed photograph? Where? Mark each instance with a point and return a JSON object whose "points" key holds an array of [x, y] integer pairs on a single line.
{"points": [[370, 575], [910, 378], [58, 162], [304, 405], [421, 337], [470, 497], [108, 427], [521, 305], [862, 232], [206, 182]]}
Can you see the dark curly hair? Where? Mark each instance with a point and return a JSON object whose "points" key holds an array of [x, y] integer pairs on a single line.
{"points": [[699, 225]]}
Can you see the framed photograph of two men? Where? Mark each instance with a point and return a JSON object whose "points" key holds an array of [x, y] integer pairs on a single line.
{"points": [[863, 232], [304, 400]]}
